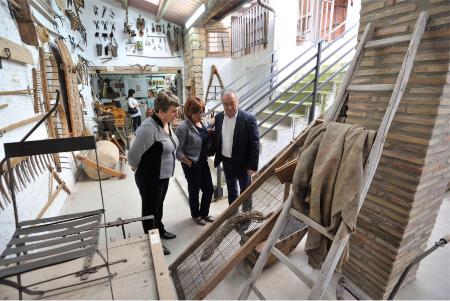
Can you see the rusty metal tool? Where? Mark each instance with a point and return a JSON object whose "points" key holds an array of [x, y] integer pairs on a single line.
{"points": [[29, 168], [24, 172]]}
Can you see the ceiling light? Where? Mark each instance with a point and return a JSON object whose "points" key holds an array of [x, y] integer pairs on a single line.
{"points": [[247, 5], [195, 16]]}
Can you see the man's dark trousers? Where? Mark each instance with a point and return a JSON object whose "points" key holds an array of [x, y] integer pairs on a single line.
{"points": [[232, 184]]}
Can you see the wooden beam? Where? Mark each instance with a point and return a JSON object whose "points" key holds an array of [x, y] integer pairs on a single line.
{"points": [[124, 3], [18, 52], [131, 70], [3, 106], [102, 168], [162, 9], [19, 124], [16, 92], [163, 281], [371, 88]]}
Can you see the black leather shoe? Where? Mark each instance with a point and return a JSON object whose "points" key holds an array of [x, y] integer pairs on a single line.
{"points": [[199, 221], [167, 235], [165, 250], [209, 219]]}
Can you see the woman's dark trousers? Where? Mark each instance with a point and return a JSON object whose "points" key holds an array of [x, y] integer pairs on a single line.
{"points": [[199, 178]]}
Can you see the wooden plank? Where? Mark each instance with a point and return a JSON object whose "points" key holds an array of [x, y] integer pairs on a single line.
{"points": [[16, 92], [388, 41], [18, 52], [310, 222], [371, 88], [333, 112], [73, 94], [102, 168], [163, 281], [2, 106], [19, 124]]}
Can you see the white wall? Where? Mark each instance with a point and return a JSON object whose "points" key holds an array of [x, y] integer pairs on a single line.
{"points": [[159, 57]]}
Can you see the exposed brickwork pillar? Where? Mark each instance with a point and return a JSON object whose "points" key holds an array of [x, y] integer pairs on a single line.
{"points": [[194, 53], [401, 207]]}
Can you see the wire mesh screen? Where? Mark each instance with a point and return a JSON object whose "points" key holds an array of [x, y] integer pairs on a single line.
{"points": [[193, 273]]}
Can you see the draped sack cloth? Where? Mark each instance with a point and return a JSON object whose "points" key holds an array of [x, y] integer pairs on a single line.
{"points": [[327, 181]]}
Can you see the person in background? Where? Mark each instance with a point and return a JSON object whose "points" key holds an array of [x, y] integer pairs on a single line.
{"points": [[152, 157], [192, 152], [150, 102], [133, 109], [237, 146]]}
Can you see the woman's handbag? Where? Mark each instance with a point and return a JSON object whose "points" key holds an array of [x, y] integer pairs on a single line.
{"points": [[213, 146]]}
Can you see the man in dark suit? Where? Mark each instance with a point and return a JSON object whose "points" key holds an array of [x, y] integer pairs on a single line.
{"points": [[237, 146]]}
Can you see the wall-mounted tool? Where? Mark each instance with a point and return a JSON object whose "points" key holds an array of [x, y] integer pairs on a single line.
{"points": [[105, 25], [104, 11], [158, 28], [140, 25], [111, 13], [104, 35], [19, 124], [13, 51], [97, 25], [164, 31], [153, 27], [95, 10], [113, 26]]}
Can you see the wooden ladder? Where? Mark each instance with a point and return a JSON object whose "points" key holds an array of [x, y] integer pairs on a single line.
{"points": [[339, 240]]}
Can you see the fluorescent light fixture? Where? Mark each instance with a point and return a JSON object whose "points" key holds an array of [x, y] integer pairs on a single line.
{"points": [[195, 16]]}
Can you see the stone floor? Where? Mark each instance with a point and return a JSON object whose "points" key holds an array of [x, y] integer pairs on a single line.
{"points": [[122, 200]]}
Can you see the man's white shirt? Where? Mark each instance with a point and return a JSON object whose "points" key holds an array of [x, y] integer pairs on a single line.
{"points": [[227, 134]]}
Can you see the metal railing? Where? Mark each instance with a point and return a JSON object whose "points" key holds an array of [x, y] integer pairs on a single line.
{"points": [[249, 30]]}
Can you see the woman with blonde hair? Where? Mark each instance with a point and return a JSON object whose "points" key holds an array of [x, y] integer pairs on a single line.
{"points": [[192, 151]]}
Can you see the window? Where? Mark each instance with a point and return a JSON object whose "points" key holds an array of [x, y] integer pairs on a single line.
{"points": [[218, 42], [327, 23], [249, 31]]}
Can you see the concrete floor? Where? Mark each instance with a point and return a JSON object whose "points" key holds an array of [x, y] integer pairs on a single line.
{"points": [[122, 200]]}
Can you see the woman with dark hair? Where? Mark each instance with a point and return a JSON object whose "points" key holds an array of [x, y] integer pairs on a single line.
{"points": [[192, 152], [133, 109], [152, 156]]}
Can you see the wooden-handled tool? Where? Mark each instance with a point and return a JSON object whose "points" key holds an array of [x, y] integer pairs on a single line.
{"points": [[16, 125]]}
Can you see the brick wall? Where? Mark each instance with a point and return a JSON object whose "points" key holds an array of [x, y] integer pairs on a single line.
{"points": [[194, 53], [400, 209]]}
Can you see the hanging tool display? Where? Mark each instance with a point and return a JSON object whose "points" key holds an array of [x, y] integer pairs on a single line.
{"points": [[169, 40], [140, 25], [16, 92], [73, 18]]}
